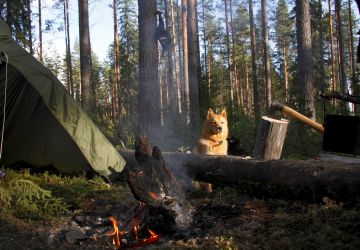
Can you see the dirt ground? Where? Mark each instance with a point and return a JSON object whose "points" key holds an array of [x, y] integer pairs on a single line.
{"points": [[227, 218]]}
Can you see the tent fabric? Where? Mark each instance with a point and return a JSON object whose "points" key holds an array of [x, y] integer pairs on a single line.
{"points": [[44, 125]]}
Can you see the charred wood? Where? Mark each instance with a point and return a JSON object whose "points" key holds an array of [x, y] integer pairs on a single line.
{"points": [[152, 183]]}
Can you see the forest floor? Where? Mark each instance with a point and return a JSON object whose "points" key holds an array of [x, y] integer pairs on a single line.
{"points": [[227, 218]]}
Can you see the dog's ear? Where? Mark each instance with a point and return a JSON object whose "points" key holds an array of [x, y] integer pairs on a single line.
{"points": [[223, 113], [210, 113]]}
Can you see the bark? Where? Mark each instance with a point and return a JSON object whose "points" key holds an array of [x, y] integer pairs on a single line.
{"points": [[177, 97], [322, 63], [304, 48], [194, 68], [184, 8], [343, 87], [170, 76], [229, 57], [204, 42], [233, 59], [354, 86], [181, 63], [9, 14], [30, 42], [149, 90], [69, 74], [305, 179], [270, 138], [41, 58], [333, 74], [286, 74], [265, 36], [85, 53], [152, 183], [116, 84], [254, 65]]}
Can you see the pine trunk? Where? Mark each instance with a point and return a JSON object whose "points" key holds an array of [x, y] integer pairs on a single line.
{"points": [[171, 100], [254, 65], [29, 27], [194, 68], [333, 74], [149, 90], [85, 53], [304, 48], [233, 59], [177, 88], [116, 84], [69, 74], [229, 57], [322, 63], [185, 57], [265, 35], [41, 59], [343, 87]]}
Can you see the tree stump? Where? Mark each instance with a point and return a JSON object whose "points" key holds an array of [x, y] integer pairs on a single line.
{"points": [[270, 138], [152, 183]]}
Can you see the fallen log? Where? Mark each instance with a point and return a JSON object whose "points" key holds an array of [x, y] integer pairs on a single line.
{"points": [[304, 179]]}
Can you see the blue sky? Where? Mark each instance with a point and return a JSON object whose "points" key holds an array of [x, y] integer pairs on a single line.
{"points": [[101, 26]]}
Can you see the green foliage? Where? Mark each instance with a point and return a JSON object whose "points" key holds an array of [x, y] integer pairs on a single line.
{"points": [[29, 200]]}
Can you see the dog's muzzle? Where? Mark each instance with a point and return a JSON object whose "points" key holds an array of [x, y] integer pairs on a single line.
{"points": [[219, 129]]}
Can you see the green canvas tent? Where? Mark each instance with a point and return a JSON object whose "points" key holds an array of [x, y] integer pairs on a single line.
{"points": [[44, 125]]}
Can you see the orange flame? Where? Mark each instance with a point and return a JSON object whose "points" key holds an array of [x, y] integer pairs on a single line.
{"points": [[116, 233], [153, 195], [136, 230], [154, 237]]}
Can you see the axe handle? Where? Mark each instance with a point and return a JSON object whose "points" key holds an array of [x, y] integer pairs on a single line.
{"points": [[294, 114]]}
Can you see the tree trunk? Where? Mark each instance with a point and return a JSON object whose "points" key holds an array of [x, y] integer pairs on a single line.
{"points": [[41, 58], [69, 74], [286, 74], [343, 80], [194, 68], [265, 36], [233, 58], [177, 97], [182, 98], [354, 87], [116, 84], [304, 47], [205, 41], [185, 57], [333, 74], [310, 179], [29, 27], [171, 100], [85, 53], [322, 63], [229, 57], [149, 90], [254, 65]]}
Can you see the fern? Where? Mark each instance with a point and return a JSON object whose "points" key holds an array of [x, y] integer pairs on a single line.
{"points": [[27, 199], [5, 198]]}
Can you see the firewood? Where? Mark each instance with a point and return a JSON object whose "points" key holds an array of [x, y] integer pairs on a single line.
{"points": [[153, 183]]}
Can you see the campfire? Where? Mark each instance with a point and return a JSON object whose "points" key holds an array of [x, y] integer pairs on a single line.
{"points": [[116, 235]]}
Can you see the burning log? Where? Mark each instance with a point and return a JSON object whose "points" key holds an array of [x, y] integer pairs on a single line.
{"points": [[304, 179], [153, 183]]}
